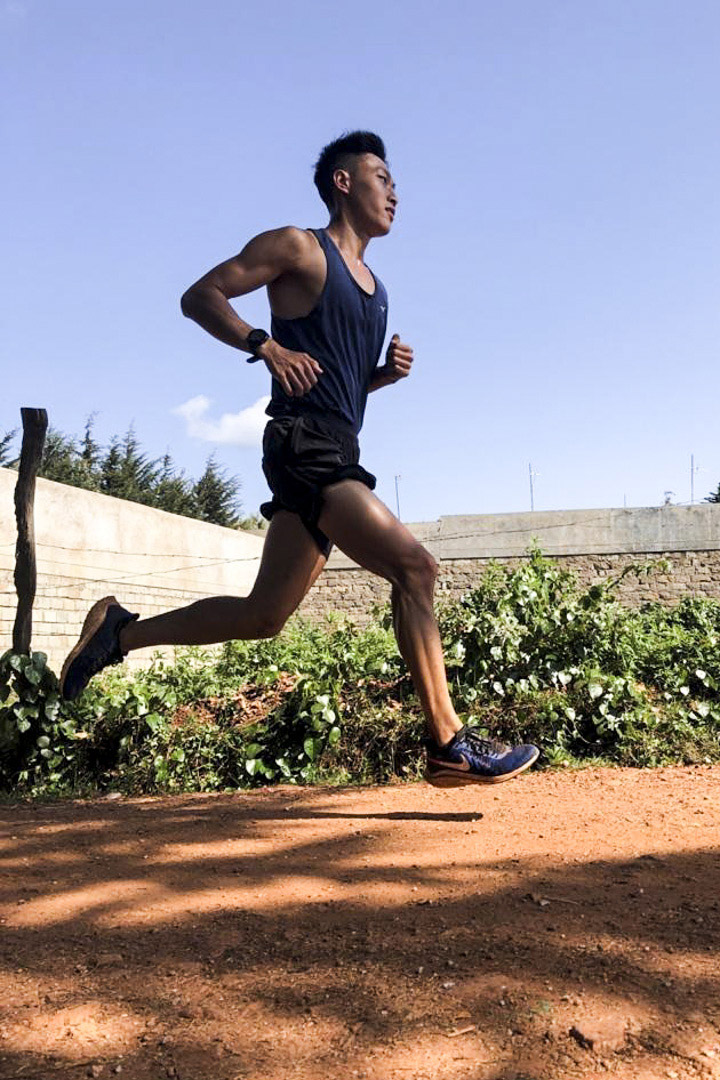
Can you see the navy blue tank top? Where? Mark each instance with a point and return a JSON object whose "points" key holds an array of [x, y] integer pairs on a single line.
{"points": [[344, 332]]}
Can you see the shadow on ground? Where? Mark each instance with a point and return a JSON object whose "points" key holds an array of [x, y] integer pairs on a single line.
{"points": [[299, 935]]}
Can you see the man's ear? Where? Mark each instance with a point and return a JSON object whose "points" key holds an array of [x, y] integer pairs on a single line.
{"points": [[341, 180]]}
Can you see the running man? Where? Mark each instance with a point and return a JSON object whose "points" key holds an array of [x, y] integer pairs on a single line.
{"points": [[329, 316]]}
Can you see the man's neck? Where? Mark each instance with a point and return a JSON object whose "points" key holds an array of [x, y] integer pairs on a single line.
{"points": [[351, 242]]}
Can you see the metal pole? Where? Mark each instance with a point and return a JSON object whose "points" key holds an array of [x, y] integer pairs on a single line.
{"points": [[397, 495], [532, 491], [692, 479]]}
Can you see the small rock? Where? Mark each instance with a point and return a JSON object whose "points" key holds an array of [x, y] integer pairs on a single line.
{"points": [[602, 1036], [113, 795], [95, 1070], [107, 959], [448, 985]]}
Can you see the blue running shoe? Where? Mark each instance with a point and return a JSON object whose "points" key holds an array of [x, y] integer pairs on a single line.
{"points": [[471, 759], [98, 647]]}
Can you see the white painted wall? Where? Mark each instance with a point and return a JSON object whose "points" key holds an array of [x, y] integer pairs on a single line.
{"points": [[89, 545]]}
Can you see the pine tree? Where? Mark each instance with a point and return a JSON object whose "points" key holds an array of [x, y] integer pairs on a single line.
{"points": [[215, 496], [126, 472], [6, 457], [172, 491], [90, 455], [61, 460], [714, 496], [110, 467]]}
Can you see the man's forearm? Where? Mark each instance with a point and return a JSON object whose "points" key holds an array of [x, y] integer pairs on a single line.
{"points": [[211, 310]]}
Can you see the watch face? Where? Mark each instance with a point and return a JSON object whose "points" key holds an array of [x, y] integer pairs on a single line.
{"points": [[256, 338]]}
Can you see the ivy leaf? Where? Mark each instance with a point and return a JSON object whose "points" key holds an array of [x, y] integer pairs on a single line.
{"points": [[311, 747]]}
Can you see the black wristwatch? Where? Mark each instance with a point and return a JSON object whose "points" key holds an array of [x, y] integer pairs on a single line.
{"points": [[256, 339]]}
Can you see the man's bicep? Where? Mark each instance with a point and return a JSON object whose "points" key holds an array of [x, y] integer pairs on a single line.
{"points": [[264, 259]]}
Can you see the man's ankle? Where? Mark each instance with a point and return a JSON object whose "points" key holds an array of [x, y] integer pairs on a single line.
{"points": [[444, 734]]}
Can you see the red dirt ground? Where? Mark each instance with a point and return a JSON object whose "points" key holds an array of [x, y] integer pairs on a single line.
{"points": [[562, 925]]}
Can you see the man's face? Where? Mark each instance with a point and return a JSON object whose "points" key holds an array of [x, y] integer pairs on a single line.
{"points": [[371, 194]]}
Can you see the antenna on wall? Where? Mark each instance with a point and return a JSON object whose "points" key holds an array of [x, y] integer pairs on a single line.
{"points": [[693, 469], [532, 474]]}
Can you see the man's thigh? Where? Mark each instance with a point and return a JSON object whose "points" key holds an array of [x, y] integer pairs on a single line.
{"points": [[291, 562], [365, 530]]}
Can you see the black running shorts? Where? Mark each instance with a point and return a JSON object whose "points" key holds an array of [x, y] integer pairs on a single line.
{"points": [[301, 456]]}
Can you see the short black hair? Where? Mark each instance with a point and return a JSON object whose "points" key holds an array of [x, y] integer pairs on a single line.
{"points": [[334, 155]]}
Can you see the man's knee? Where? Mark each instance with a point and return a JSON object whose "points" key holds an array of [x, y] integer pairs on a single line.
{"points": [[417, 572], [269, 624]]}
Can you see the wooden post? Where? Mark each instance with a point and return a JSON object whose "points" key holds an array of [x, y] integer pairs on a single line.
{"points": [[34, 423]]}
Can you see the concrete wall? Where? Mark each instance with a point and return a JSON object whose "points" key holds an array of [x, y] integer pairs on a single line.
{"points": [[89, 545], [593, 543]]}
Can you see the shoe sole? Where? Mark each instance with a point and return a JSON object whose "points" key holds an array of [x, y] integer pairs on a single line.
{"points": [[451, 778], [93, 621]]}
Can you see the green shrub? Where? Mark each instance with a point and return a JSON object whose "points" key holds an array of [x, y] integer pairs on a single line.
{"points": [[37, 740], [531, 656], [537, 657]]}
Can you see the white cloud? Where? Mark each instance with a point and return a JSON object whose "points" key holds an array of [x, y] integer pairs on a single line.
{"points": [[243, 428]]}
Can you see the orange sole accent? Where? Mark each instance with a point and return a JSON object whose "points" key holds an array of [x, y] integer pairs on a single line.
{"points": [[462, 779]]}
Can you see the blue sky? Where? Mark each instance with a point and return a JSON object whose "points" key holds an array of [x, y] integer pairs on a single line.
{"points": [[554, 261]]}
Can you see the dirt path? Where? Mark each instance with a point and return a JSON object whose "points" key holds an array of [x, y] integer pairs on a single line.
{"points": [[379, 933]]}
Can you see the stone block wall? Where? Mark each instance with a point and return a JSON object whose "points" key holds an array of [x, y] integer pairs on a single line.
{"points": [[355, 592], [594, 544]]}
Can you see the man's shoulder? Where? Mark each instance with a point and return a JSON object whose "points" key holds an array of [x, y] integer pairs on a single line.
{"points": [[295, 242]]}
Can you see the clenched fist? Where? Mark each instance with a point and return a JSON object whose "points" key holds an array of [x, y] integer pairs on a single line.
{"points": [[398, 359], [296, 372]]}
